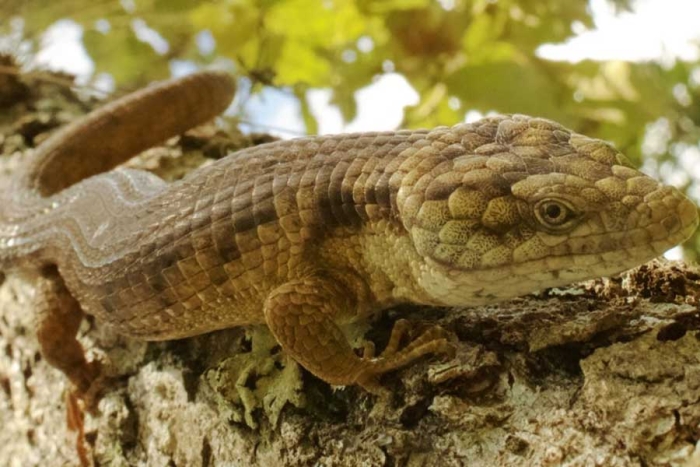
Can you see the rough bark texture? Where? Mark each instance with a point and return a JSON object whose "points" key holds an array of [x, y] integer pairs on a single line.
{"points": [[602, 373]]}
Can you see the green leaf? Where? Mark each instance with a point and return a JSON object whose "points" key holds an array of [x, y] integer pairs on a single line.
{"points": [[315, 22], [306, 114], [507, 87], [125, 57], [300, 64]]}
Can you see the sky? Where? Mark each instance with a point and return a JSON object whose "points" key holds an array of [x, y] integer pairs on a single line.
{"points": [[657, 30]]}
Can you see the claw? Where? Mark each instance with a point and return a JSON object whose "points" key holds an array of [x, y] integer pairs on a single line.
{"points": [[368, 349], [433, 341]]}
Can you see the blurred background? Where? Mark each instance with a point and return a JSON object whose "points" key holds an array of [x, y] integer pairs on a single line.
{"points": [[627, 71]]}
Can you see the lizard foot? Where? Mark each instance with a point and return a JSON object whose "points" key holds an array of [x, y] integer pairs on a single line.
{"points": [[433, 341]]}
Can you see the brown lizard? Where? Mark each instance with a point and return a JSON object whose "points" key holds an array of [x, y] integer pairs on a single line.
{"points": [[307, 234]]}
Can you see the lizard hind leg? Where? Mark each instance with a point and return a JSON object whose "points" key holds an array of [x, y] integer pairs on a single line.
{"points": [[58, 319], [301, 314]]}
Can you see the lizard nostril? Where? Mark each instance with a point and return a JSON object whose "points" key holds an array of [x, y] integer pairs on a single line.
{"points": [[671, 223], [688, 213]]}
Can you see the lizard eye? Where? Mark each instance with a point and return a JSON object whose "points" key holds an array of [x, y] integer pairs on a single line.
{"points": [[555, 214]]}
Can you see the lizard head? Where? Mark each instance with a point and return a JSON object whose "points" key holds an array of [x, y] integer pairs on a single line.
{"points": [[511, 205]]}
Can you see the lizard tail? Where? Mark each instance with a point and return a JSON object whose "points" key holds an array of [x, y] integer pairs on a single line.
{"points": [[123, 128]]}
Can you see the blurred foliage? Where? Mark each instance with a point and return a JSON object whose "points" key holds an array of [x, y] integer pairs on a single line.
{"points": [[459, 55]]}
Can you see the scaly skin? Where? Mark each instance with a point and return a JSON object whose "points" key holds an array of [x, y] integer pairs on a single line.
{"points": [[304, 235]]}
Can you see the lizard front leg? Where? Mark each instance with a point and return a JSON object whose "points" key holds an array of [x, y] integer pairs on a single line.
{"points": [[302, 315]]}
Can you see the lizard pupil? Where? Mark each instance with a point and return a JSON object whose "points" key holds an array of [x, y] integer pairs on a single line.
{"points": [[554, 214], [553, 211]]}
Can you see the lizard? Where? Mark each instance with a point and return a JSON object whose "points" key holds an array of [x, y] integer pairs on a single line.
{"points": [[308, 234]]}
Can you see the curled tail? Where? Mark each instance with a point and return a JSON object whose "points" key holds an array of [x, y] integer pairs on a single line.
{"points": [[123, 128]]}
